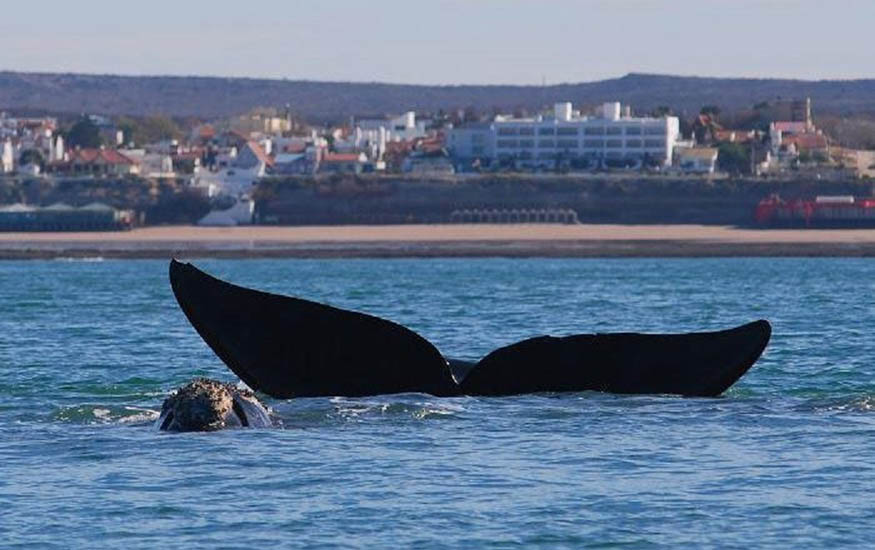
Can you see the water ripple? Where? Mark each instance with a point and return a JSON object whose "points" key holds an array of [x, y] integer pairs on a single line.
{"points": [[88, 350]]}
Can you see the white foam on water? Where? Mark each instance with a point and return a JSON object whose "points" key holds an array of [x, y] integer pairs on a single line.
{"points": [[89, 259], [141, 415]]}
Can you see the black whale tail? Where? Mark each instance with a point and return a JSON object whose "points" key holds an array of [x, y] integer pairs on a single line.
{"points": [[288, 347], [695, 364]]}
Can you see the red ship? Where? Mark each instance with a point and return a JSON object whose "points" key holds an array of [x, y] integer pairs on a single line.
{"points": [[823, 211]]}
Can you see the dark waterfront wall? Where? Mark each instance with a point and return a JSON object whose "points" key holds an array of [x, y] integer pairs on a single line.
{"points": [[595, 199], [370, 199], [164, 201]]}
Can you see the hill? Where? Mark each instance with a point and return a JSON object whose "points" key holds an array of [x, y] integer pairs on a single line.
{"points": [[210, 97]]}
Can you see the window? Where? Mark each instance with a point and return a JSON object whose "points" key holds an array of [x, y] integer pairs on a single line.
{"points": [[507, 131], [505, 143], [527, 131], [527, 143], [633, 130], [654, 143], [566, 131], [654, 130], [595, 131], [593, 143], [614, 130], [633, 143], [546, 131], [545, 143], [566, 143], [615, 143]]}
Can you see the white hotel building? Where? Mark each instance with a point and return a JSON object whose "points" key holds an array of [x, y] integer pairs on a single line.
{"points": [[613, 138]]}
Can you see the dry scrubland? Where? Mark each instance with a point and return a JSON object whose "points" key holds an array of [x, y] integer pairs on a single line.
{"points": [[334, 101]]}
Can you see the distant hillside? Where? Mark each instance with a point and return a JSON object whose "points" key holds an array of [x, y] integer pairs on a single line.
{"points": [[210, 97]]}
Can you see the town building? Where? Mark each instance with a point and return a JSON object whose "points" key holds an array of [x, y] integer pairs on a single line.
{"points": [[734, 136], [795, 141], [697, 160], [7, 157], [343, 163], [306, 162], [262, 121], [472, 145], [152, 165], [107, 162], [239, 213], [253, 156], [612, 138], [401, 128]]}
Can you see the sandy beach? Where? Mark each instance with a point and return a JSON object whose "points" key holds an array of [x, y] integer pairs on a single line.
{"points": [[521, 240]]}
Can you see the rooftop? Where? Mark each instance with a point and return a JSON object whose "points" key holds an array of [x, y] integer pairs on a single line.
{"points": [[105, 156], [697, 152], [341, 157]]}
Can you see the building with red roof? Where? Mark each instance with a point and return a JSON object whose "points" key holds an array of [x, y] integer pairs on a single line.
{"points": [[791, 127], [734, 136], [346, 163], [808, 143], [97, 162], [251, 155]]}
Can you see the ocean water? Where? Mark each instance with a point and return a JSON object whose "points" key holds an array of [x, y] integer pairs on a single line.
{"points": [[88, 351]]}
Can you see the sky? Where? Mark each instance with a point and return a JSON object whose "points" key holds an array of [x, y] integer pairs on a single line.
{"points": [[442, 41]]}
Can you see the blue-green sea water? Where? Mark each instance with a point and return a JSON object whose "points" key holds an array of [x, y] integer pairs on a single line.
{"points": [[786, 459]]}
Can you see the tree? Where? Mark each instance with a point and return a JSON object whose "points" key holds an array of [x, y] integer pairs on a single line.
{"points": [[470, 114], [84, 134], [158, 128], [712, 110], [148, 129], [661, 111], [128, 126], [733, 158], [31, 156]]}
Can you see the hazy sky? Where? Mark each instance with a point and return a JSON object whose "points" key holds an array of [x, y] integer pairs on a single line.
{"points": [[442, 41]]}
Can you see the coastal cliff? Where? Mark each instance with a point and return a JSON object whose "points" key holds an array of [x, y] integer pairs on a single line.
{"points": [[398, 199], [595, 198]]}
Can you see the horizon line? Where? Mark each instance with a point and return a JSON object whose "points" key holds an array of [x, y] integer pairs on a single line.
{"points": [[430, 85]]}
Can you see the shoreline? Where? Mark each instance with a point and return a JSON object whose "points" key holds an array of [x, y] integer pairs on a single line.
{"points": [[429, 241]]}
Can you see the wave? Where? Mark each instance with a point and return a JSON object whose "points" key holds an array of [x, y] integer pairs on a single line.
{"points": [[106, 414], [85, 259]]}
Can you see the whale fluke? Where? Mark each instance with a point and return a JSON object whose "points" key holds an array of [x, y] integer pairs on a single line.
{"points": [[289, 347], [695, 364]]}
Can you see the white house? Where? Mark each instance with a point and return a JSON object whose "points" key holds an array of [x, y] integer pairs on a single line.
{"points": [[240, 213], [697, 160], [611, 137], [152, 165], [402, 128], [232, 181], [7, 158]]}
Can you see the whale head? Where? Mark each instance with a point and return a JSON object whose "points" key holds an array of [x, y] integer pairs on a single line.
{"points": [[205, 405]]}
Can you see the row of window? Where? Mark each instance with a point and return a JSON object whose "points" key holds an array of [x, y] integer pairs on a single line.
{"points": [[588, 130], [573, 143], [526, 155]]}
